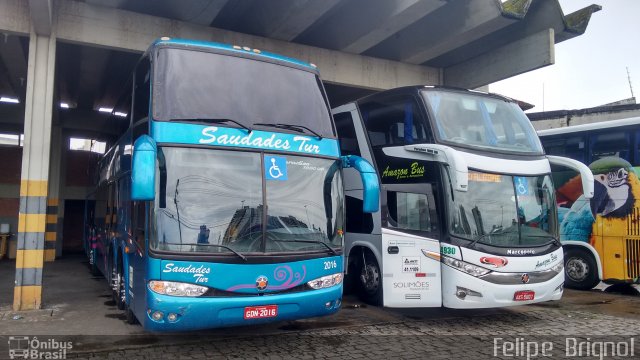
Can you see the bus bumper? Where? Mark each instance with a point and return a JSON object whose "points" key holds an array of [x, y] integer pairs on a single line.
{"points": [[194, 313], [484, 294]]}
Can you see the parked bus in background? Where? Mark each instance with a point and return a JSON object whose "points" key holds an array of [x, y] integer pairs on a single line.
{"points": [[222, 203], [601, 235], [468, 215]]}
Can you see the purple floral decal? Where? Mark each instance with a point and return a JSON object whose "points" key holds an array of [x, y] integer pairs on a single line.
{"points": [[284, 278]]}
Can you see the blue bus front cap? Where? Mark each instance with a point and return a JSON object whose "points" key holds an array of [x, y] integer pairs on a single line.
{"points": [[171, 313], [218, 294]]}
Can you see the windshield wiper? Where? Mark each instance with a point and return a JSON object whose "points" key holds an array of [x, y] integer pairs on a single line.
{"points": [[212, 245], [333, 251], [175, 202], [298, 128], [218, 121]]}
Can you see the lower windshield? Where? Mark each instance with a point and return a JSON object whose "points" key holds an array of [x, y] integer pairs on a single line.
{"points": [[216, 201], [503, 210]]}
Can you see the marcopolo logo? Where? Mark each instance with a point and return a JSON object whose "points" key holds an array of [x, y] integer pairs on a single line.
{"points": [[25, 347]]}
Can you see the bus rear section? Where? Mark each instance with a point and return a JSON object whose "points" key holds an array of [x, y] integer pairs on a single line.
{"points": [[468, 216]]}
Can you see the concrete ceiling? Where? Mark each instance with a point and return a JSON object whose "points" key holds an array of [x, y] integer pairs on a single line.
{"points": [[442, 34]]}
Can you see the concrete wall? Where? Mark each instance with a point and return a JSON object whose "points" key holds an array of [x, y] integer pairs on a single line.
{"points": [[556, 119]]}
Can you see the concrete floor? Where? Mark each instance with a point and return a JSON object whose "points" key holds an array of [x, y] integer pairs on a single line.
{"points": [[79, 305]]}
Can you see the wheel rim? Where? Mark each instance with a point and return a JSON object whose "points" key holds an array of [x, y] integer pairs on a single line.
{"points": [[370, 278], [577, 269]]}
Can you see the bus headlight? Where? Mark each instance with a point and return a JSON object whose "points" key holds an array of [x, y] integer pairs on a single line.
{"points": [[465, 266], [173, 288], [326, 281]]}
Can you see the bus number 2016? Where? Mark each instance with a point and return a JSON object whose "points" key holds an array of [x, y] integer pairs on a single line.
{"points": [[330, 265]]}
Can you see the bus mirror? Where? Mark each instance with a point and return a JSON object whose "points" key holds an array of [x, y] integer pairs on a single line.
{"points": [[143, 170], [370, 183], [585, 173], [440, 153]]}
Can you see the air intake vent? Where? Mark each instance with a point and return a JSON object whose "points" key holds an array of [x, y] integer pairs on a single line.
{"points": [[633, 222], [633, 258], [412, 296]]}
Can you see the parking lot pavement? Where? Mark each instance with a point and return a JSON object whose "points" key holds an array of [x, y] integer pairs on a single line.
{"points": [[84, 314]]}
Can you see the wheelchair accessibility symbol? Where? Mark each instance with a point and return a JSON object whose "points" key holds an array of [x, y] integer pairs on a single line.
{"points": [[522, 187], [275, 168]]}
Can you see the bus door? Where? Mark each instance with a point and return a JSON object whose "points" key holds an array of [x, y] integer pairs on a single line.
{"points": [[410, 247]]}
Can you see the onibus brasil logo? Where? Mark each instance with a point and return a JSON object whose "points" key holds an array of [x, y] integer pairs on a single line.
{"points": [[25, 347]]}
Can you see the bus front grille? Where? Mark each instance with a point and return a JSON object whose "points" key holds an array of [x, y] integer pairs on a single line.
{"points": [[633, 222], [633, 258]]}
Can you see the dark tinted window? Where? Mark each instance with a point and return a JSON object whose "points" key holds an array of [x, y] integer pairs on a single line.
{"points": [[610, 144], [142, 90], [202, 85], [346, 134], [357, 220]]}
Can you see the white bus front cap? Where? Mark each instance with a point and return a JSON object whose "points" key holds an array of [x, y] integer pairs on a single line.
{"points": [[585, 173]]}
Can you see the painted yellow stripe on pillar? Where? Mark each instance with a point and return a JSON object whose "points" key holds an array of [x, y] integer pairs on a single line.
{"points": [[52, 219], [50, 255], [50, 236], [32, 222], [52, 202], [27, 297], [29, 258], [33, 188]]}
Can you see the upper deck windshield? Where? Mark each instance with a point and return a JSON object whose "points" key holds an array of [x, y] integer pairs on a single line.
{"points": [[201, 85], [481, 121], [505, 211], [213, 201]]}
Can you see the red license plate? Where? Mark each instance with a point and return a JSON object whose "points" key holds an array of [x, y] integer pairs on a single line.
{"points": [[260, 312], [524, 295]]}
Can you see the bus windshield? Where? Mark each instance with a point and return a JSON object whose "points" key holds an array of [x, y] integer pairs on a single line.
{"points": [[213, 201], [198, 85], [505, 211], [479, 121]]}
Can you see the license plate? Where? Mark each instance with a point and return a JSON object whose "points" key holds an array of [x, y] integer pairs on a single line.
{"points": [[524, 295], [260, 312]]}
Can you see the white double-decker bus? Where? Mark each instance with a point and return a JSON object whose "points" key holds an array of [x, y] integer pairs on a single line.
{"points": [[468, 215]]}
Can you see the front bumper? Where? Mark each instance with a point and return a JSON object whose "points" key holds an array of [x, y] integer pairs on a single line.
{"points": [[195, 313], [494, 295]]}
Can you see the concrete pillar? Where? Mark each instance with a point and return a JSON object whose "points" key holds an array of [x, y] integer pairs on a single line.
{"points": [[35, 172], [51, 235]]}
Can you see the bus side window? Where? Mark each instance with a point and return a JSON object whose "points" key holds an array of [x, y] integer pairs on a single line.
{"points": [[347, 134], [411, 211], [138, 223], [610, 144], [141, 98]]}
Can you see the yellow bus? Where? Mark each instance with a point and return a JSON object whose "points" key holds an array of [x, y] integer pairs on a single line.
{"points": [[600, 236]]}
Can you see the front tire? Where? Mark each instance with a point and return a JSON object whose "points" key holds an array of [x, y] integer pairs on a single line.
{"points": [[580, 270], [370, 281]]}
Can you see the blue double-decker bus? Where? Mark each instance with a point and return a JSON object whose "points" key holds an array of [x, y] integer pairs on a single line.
{"points": [[222, 204]]}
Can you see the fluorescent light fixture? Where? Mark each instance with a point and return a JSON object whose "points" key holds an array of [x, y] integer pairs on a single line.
{"points": [[104, 109], [64, 105], [9, 100], [121, 114]]}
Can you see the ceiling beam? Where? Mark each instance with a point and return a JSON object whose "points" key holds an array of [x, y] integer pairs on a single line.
{"points": [[41, 16], [518, 57], [14, 17], [356, 28], [80, 22], [13, 56], [290, 20]]}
